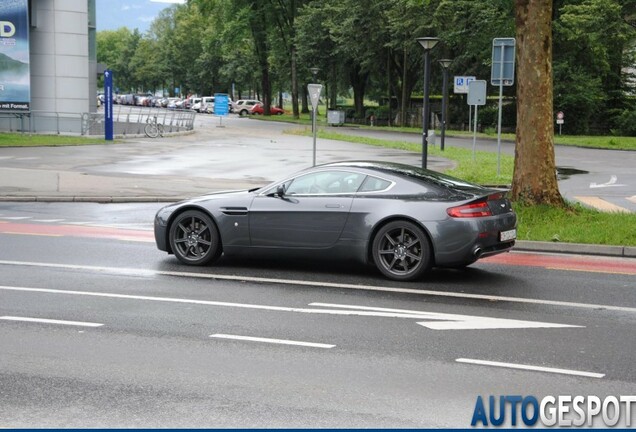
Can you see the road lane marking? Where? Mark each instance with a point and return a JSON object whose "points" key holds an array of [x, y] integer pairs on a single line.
{"points": [[601, 204], [153, 273], [272, 341], [457, 322], [531, 368], [51, 321], [16, 218]]}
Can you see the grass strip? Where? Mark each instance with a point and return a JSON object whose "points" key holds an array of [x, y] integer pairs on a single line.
{"points": [[37, 140]]}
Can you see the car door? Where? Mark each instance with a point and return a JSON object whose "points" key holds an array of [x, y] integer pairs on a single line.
{"points": [[311, 213]]}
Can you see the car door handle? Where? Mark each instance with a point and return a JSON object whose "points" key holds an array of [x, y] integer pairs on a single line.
{"points": [[333, 205]]}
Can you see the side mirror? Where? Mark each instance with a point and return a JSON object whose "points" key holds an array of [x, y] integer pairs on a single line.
{"points": [[280, 190]]}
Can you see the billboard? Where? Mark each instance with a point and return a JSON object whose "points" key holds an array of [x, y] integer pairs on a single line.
{"points": [[15, 76]]}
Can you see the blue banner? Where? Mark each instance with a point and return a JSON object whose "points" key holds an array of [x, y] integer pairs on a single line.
{"points": [[108, 104], [221, 104], [15, 74]]}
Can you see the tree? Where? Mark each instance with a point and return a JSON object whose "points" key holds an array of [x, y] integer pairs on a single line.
{"points": [[534, 179]]}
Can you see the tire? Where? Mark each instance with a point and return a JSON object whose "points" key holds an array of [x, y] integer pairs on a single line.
{"points": [[279, 113], [401, 251], [194, 238], [151, 130], [243, 113], [160, 129]]}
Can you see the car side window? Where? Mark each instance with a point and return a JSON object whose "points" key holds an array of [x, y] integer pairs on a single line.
{"points": [[374, 184], [326, 183]]}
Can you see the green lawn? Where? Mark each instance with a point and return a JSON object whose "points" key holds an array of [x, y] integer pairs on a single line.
{"points": [[36, 140], [601, 142]]}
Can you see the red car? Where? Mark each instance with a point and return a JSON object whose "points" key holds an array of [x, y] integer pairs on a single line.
{"points": [[258, 109]]}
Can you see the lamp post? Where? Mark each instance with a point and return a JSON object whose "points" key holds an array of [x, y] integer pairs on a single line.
{"points": [[445, 64], [428, 43]]}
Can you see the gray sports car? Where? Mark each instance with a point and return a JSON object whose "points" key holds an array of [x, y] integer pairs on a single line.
{"points": [[401, 218]]}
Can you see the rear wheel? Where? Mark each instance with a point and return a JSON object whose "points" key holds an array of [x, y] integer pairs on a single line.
{"points": [[194, 238], [401, 251]]}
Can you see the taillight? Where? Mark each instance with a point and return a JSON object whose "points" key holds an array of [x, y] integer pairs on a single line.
{"points": [[477, 209]]}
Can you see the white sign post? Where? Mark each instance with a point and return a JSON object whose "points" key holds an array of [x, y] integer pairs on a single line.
{"points": [[460, 86], [314, 95], [476, 96], [502, 73], [560, 120]]}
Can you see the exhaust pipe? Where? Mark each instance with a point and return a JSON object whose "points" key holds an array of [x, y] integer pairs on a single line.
{"points": [[477, 252]]}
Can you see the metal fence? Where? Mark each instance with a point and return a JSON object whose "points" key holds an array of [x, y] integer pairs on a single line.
{"points": [[127, 120]]}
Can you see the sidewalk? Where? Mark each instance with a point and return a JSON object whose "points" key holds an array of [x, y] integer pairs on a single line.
{"points": [[103, 174]]}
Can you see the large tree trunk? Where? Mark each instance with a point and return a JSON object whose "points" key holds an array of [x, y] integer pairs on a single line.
{"points": [[258, 27], [534, 180], [358, 81]]}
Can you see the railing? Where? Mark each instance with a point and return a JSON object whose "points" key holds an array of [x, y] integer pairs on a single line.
{"points": [[127, 120]]}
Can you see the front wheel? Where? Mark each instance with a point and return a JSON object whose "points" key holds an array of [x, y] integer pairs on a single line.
{"points": [[401, 251], [151, 130], [194, 238]]}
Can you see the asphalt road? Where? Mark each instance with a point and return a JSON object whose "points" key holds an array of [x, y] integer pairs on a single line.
{"points": [[152, 343]]}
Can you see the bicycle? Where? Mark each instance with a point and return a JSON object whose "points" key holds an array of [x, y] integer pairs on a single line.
{"points": [[152, 128]]}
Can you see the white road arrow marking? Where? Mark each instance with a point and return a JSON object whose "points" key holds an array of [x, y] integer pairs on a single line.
{"points": [[440, 321], [610, 183]]}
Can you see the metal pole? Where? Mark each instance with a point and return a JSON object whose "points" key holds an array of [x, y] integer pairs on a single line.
{"points": [[444, 105], [425, 108], [313, 125], [475, 132], [501, 72], [470, 117]]}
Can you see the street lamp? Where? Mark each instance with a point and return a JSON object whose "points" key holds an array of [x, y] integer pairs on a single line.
{"points": [[445, 64], [314, 71], [428, 43]]}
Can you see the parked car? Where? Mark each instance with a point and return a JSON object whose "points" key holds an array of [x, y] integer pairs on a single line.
{"points": [[260, 110], [401, 218], [201, 105], [242, 107]]}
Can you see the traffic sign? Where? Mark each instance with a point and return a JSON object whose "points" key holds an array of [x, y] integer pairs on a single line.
{"points": [[560, 115], [461, 84], [502, 71], [314, 94], [477, 92]]}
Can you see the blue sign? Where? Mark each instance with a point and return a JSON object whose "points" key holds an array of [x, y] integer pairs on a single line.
{"points": [[502, 71], [108, 104], [221, 104]]}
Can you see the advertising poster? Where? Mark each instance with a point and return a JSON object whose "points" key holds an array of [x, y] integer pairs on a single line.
{"points": [[15, 82]]}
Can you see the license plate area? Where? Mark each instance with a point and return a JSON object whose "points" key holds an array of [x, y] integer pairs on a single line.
{"points": [[508, 235]]}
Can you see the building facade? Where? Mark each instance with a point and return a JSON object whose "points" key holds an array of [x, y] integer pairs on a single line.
{"points": [[61, 68]]}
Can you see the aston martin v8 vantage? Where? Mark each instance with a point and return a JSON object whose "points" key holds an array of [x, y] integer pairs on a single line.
{"points": [[402, 219]]}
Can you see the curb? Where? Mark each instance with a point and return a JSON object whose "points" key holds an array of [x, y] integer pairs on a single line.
{"points": [[576, 248]]}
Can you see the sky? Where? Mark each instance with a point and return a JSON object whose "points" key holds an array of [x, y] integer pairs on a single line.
{"points": [[113, 14]]}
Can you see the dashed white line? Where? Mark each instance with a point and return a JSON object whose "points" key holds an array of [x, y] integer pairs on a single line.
{"points": [[530, 368], [50, 321], [272, 341], [15, 217]]}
